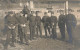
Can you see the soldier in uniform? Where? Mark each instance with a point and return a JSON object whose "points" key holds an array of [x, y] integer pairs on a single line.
{"points": [[46, 23], [53, 23], [22, 23], [32, 24], [25, 10], [38, 24], [17, 15], [70, 24], [11, 22], [61, 24]]}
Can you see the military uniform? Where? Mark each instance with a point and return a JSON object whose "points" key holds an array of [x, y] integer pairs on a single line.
{"points": [[53, 24], [22, 28], [70, 24], [61, 24], [46, 24], [11, 22], [18, 27], [32, 24], [25, 10], [38, 24]]}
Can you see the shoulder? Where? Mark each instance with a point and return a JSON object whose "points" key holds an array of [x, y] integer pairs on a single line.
{"points": [[70, 15], [54, 17], [6, 16]]}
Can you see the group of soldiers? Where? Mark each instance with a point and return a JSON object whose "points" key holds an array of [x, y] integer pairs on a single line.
{"points": [[21, 19]]}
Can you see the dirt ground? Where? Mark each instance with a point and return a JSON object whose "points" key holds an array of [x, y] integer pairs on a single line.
{"points": [[43, 44]]}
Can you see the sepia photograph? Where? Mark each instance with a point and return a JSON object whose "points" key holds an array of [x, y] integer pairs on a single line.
{"points": [[39, 24]]}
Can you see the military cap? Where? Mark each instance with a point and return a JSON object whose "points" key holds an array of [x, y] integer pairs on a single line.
{"points": [[78, 10], [49, 8], [51, 12], [59, 11], [21, 12], [37, 12], [32, 11], [70, 10], [45, 12], [10, 12]]}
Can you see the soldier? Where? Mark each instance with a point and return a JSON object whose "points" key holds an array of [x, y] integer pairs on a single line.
{"points": [[70, 24], [11, 24], [32, 24], [46, 23], [22, 28], [61, 24], [38, 24], [25, 10], [53, 23], [18, 27]]}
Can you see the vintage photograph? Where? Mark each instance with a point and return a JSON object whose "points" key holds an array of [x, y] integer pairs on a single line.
{"points": [[39, 24]]}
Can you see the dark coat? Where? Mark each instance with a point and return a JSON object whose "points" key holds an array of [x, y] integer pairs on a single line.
{"points": [[61, 21], [71, 20], [45, 20], [22, 20], [11, 20], [53, 20], [38, 20], [32, 20]]}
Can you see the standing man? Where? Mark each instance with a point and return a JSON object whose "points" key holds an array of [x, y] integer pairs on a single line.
{"points": [[38, 24], [61, 24], [22, 20], [53, 23], [11, 22], [46, 23], [25, 10], [32, 24], [70, 24]]}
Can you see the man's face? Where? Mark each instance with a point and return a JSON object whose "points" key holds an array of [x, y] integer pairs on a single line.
{"points": [[37, 14], [49, 14], [34, 14], [21, 14], [11, 15], [46, 14], [52, 14], [69, 12], [62, 13]]}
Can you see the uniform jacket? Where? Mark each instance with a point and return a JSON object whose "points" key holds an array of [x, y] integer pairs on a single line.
{"points": [[38, 20], [71, 20], [61, 21], [31, 19], [22, 20], [11, 20], [45, 20], [54, 19]]}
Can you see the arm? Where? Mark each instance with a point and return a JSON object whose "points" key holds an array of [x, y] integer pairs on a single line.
{"points": [[6, 20], [74, 20]]}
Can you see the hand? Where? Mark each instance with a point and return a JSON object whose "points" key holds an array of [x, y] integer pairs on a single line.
{"points": [[49, 26], [52, 23], [36, 26]]}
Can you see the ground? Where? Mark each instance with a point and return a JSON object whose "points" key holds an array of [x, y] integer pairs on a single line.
{"points": [[43, 44]]}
